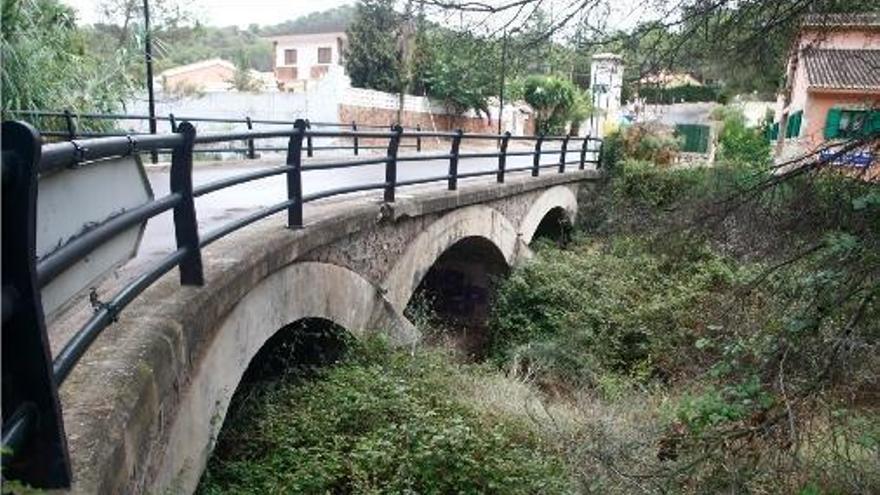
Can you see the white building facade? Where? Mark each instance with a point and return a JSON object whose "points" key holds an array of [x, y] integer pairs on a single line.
{"points": [[300, 58]]}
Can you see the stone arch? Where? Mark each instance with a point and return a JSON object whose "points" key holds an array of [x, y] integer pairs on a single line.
{"points": [[426, 248], [555, 197], [296, 292]]}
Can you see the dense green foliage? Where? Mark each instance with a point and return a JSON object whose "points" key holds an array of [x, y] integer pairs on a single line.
{"points": [[557, 101], [46, 64], [680, 94], [738, 143], [457, 69], [579, 312], [760, 332], [373, 58], [381, 422]]}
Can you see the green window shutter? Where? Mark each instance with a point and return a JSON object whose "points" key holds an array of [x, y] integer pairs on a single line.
{"points": [[793, 127], [774, 131], [832, 123]]}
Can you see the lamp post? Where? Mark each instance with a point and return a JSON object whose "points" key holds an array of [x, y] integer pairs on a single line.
{"points": [[148, 58]]}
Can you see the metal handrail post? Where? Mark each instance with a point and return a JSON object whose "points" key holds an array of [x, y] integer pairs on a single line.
{"points": [[310, 150], [584, 149], [536, 161], [562, 153], [294, 175], [186, 227], [502, 156], [453, 160], [391, 163], [251, 154], [354, 129], [71, 126]]}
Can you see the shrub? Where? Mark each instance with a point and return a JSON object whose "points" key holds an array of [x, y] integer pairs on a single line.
{"points": [[650, 142], [578, 313], [382, 422], [639, 183], [738, 143]]}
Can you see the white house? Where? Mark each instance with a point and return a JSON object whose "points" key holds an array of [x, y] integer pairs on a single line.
{"points": [[307, 56]]}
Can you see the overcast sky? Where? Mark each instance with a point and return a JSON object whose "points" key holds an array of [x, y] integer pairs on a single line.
{"points": [[621, 14], [231, 12]]}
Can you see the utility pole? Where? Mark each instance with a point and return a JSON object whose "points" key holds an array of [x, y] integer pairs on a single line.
{"points": [[148, 58], [406, 31], [503, 76]]}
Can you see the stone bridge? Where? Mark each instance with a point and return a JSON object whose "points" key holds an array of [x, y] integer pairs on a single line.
{"points": [[144, 406]]}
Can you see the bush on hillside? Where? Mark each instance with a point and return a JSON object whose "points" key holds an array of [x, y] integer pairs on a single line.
{"points": [[762, 312]]}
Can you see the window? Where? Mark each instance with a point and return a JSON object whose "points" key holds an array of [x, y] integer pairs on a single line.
{"points": [[289, 57], [843, 124], [852, 123], [772, 132], [793, 127], [324, 55]]}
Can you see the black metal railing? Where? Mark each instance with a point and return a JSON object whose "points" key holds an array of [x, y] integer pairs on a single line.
{"points": [[32, 423], [67, 125]]}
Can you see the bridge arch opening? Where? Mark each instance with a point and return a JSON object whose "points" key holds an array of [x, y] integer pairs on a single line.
{"points": [[454, 296], [298, 349], [294, 354], [554, 226]]}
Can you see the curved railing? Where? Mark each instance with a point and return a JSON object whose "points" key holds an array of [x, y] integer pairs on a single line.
{"points": [[67, 125], [33, 427]]}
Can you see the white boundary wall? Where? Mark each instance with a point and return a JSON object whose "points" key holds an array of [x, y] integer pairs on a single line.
{"points": [[320, 102]]}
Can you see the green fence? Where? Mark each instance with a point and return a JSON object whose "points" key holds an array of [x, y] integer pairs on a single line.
{"points": [[696, 137]]}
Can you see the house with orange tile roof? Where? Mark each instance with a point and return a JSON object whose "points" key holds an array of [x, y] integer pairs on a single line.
{"points": [[832, 90]]}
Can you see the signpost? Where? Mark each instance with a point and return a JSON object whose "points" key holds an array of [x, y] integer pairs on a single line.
{"points": [[70, 202]]}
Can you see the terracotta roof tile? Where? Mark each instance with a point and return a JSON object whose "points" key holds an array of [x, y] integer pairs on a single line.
{"points": [[843, 69], [862, 19]]}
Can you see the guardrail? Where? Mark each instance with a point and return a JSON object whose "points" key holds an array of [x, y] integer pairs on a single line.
{"points": [[33, 428], [71, 122]]}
